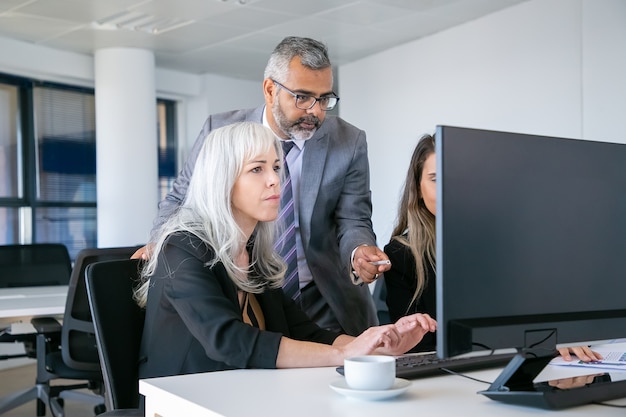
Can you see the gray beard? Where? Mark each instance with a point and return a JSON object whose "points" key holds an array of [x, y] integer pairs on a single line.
{"points": [[293, 132], [297, 134]]}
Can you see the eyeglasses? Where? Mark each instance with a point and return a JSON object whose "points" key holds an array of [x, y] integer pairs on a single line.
{"points": [[304, 102]]}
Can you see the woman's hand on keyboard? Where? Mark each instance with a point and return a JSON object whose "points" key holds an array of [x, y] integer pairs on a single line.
{"points": [[411, 330], [390, 339]]}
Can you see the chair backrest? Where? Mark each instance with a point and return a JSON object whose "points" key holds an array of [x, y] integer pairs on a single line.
{"points": [[36, 264], [118, 322], [78, 341]]}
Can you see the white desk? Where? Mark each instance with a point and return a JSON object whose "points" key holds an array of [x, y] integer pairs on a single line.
{"points": [[20, 304], [17, 306], [305, 392]]}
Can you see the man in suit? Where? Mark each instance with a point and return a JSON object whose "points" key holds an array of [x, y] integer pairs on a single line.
{"points": [[329, 170]]}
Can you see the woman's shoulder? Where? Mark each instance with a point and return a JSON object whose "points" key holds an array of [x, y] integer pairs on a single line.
{"points": [[191, 244], [399, 252], [396, 244]]}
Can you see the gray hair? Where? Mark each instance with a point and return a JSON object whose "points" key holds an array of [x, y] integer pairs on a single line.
{"points": [[313, 54], [206, 211]]}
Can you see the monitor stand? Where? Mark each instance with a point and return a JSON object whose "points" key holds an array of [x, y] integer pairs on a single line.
{"points": [[515, 386]]}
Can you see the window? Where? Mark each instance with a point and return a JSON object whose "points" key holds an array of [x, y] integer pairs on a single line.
{"points": [[63, 187], [48, 162], [12, 169], [168, 151]]}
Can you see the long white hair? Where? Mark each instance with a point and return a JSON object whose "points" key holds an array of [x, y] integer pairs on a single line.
{"points": [[206, 211]]}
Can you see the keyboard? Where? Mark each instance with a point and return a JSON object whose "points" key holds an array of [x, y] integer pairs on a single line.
{"points": [[414, 366], [419, 366]]}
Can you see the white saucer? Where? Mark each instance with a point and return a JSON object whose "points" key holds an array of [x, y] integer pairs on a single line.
{"points": [[399, 386]]}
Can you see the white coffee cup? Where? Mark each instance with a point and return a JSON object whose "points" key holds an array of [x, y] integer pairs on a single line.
{"points": [[373, 372]]}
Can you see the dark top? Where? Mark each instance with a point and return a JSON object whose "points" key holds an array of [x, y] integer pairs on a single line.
{"points": [[400, 282], [194, 322]]}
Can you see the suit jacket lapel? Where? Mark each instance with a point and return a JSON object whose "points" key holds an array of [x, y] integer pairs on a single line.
{"points": [[313, 162]]}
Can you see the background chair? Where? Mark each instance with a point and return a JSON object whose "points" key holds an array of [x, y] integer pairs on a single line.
{"points": [[39, 264], [118, 322], [78, 340], [380, 301], [78, 354], [69, 351], [35, 264]]}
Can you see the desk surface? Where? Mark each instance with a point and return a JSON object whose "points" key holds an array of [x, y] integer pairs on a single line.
{"points": [[306, 392], [20, 302]]}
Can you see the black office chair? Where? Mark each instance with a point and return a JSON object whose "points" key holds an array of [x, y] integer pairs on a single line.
{"points": [[77, 337], [39, 264], [78, 356], [118, 322], [36, 264], [380, 301], [69, 351]]}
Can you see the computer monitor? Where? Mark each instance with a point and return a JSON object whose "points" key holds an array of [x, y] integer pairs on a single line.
{"points": [[531, 241]]}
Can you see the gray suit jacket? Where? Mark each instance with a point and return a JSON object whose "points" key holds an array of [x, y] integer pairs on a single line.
{"points": [[335, 209]]}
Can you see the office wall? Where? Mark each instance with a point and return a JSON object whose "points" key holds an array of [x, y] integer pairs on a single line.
{"points": [[216, 95], [549, 67]]}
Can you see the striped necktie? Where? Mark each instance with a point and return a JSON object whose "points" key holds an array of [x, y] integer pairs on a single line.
{"points": [[286, 243]]}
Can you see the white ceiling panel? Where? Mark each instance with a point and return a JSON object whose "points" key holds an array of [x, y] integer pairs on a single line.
{"points": [[249, 19], [232, 37], [364, 14], [187, 9], [76, 11], [33, 28], [301, 8]]}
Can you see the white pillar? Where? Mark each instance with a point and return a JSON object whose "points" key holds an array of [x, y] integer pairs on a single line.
{"points": [[126, 129]]}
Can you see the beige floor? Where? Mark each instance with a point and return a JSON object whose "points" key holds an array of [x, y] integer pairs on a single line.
{"points": [[16, 379]]}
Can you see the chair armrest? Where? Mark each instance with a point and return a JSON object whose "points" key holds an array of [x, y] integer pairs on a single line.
{"points": [[46, 325]]}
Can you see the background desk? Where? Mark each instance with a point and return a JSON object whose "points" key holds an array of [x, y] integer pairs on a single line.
{"points": [[305, 392], [20, 304]]}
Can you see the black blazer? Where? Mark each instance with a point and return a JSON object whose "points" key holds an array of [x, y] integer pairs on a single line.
{"points": [[400, 282], [194, 321]]}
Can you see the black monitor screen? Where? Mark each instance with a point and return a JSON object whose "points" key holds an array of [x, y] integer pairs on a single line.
{"points": [[531, 240]]}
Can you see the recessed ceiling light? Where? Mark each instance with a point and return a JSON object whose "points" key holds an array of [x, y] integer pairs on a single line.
{"points": [[140, 22]]}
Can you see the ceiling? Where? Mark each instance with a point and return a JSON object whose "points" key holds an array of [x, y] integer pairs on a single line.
{"points": [[232, 37]]}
